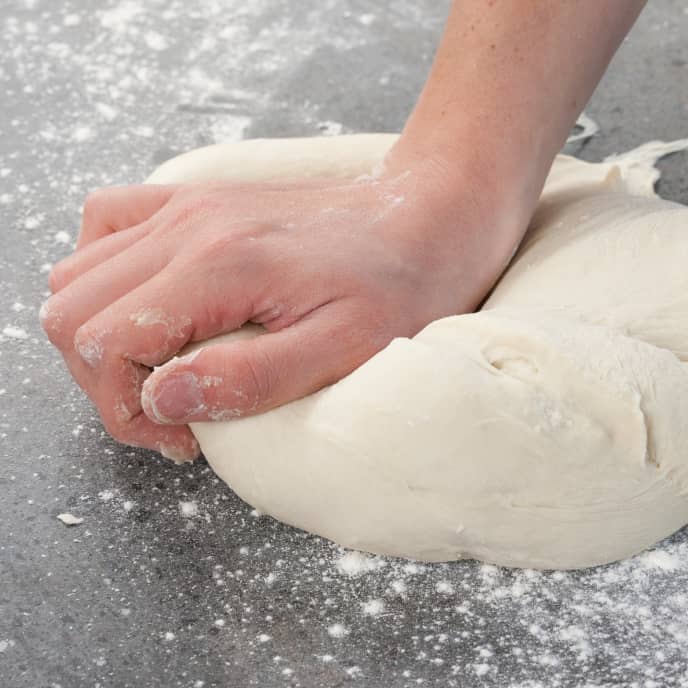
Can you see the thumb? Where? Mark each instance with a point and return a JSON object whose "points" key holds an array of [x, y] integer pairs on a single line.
{"points": [[233, 379]]}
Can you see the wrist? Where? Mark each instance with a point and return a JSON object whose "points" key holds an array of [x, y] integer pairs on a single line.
{"points": [[502, 174], [470, 180], [469, 221]]}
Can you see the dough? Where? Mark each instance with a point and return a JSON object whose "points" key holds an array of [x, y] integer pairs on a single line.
{"points": [[549, 430]]}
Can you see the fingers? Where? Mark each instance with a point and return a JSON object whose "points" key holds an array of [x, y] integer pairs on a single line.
{"points": [[176, 442], [121, 412], [150, 323], [113, 209], [92, 255], [107, 213], [114, 384], [230, 380], [64, 312], [134, 311], [124, 420], [113, 351]]}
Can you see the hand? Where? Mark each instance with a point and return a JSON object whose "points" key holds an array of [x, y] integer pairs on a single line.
{"points": [[333, 270]]}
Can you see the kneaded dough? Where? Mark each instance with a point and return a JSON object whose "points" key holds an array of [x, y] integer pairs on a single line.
{"points": [[548, 430]]}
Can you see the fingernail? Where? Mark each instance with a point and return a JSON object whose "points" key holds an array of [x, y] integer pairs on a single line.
{"points": [[44, 312], [175, 398], [180, 455], [50, 316]]}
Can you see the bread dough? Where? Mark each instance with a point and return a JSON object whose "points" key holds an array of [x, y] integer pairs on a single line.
{"points": [[549, 430]]}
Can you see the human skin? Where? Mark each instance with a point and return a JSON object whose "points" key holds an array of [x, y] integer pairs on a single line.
{"points": [[332, 269]]}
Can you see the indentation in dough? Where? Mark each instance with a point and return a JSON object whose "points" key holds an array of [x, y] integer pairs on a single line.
{"points": [[650, 453], [511, 362]]}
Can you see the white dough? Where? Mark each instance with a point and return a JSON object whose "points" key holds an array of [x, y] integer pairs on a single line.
{"points": [[549, 430]]}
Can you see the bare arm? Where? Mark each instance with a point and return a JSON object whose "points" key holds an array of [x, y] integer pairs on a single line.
{"points": [[509, 80]]}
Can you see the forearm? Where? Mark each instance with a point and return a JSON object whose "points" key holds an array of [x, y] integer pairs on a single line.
{"points": [[508, 82]]}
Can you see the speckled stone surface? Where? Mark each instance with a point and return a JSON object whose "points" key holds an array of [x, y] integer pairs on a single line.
{"points": [[170, 580]]}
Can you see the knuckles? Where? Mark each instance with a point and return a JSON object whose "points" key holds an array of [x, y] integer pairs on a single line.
{"points": [[256, 380], [94, 205], [60, 276], [93, 202], [228, 253], [52, 320], [89, 345], [190, 209], [118, 428]]}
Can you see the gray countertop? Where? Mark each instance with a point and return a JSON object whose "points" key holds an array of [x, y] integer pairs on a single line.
{"points": [[171, 580]]}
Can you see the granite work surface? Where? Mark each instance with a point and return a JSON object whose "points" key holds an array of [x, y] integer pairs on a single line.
{"points": [[171, 580]]}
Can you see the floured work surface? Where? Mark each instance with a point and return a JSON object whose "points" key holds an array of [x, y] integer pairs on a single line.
{"points": [[131, 596]]}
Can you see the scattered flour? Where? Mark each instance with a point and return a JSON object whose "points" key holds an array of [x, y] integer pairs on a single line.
{"points": [[188, 509], [444, 588], [355, 563], [373, 607], [70, 519], [106, 495], [337, 630], [15, 332]]}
